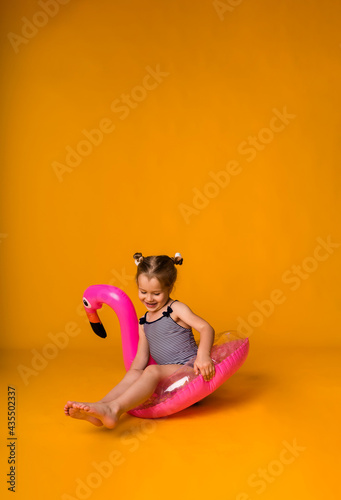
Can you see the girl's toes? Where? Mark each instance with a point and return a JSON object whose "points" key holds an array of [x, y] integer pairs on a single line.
{"points": [[82, 406]]}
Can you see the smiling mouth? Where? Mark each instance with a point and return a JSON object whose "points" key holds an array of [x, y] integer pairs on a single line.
{"points": [[150, 305]]}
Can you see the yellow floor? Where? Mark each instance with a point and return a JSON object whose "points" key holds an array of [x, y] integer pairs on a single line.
{"points": [[271, 431]]}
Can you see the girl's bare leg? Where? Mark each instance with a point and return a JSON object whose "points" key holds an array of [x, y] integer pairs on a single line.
{"points": [[130, 377], [108, 412]]}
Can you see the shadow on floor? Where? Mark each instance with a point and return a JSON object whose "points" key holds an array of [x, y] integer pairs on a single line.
{"points": [[242, 388]]}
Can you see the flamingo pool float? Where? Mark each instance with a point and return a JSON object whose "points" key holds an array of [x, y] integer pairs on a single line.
{"points": [[183, 388]]}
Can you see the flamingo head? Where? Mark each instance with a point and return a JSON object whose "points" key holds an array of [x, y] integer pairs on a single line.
{"points": [[91, 312]]}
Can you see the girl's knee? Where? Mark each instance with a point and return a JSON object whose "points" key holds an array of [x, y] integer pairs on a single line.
{"points": [[153, 370], [134, 373]]}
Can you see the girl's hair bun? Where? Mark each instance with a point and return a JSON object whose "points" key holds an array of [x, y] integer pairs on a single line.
{"points": [[138, 258], [178, 260], [161, 267]]}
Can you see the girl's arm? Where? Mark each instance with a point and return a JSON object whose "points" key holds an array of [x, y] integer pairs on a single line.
{"points": [[203, 363], [142, 356]]}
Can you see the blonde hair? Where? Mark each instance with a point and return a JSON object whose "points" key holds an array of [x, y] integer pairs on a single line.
{"points": [[161, 267]]}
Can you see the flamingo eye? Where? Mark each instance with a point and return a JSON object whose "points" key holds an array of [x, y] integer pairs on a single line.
{"points": [[86, 302]]}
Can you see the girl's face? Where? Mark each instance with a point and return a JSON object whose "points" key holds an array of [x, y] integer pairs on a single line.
{"points": [[151, 293]]}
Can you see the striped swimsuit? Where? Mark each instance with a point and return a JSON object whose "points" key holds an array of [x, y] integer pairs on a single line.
{"points": [[169, 342]]}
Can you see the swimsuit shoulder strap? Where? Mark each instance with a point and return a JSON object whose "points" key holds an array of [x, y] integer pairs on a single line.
{"points": [[169, 309]]}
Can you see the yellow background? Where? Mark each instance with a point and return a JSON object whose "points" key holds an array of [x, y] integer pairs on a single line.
{"points": [[226, 66]]}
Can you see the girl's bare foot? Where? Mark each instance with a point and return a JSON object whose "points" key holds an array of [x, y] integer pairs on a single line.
{"points": [[102, 412], [70, 411]]}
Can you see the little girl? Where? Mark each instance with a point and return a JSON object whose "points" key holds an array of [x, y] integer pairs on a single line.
{"points": [[165, 332]]}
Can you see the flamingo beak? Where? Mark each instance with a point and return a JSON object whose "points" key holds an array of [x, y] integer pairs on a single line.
{"points": [[96, 324]]}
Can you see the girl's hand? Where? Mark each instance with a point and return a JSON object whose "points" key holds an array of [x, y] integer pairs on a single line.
{"points": [[204, 365]]}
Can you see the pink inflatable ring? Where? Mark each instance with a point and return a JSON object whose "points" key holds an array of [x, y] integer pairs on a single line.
{"points": [[183, 388]]}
